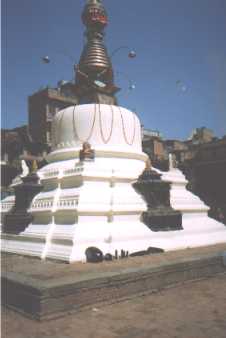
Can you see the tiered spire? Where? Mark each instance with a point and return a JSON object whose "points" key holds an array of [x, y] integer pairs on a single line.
{"points": [[94, 73]]}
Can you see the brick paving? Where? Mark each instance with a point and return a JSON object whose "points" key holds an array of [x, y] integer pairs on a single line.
{"points": [[193, 310]]}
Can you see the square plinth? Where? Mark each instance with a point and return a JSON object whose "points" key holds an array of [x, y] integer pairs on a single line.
{"points": [[47, 289]]}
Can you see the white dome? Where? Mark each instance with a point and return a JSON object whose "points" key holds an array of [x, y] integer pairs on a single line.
{"points": [[105, 127]]}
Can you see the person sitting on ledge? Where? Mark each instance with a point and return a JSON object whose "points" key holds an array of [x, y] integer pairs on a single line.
{"points": [[86, 153]]}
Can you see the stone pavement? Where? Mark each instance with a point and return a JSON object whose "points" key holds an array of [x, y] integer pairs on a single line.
{"points": [[193, 310]]}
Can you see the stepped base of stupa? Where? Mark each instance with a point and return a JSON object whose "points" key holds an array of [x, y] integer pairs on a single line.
{"points": [[111, 230], [91, 206]]}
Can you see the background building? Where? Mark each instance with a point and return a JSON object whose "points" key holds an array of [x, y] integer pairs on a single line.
{"points": [[201, 135], [44, 104], [153, 145]]}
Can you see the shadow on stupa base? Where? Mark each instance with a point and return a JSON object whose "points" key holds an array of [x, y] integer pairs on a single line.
{"points": [[163, 219]]}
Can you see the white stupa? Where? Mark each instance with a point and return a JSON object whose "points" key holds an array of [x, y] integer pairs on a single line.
{"points": [[91, 202]]}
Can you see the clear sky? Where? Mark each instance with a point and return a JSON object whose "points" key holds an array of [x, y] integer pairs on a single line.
{"points": [[179, 72]]}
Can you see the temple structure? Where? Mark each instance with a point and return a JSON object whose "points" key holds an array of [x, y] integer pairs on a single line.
{"points": [[88, 199]]}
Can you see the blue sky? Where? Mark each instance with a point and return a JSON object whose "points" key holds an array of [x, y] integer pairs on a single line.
{"points": [[179, 72]]}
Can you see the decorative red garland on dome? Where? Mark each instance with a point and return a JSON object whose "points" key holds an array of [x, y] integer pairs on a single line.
{"points": [[75, 131], [124, 130], [106, 140]]}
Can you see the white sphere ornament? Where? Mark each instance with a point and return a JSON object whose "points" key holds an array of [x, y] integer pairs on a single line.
{"points": [[132, 54]]}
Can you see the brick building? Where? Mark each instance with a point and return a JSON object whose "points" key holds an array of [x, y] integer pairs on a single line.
{"points": [[44, 104], [153, 145]]}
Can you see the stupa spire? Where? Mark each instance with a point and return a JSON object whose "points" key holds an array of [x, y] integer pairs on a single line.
{"points": [[94, 74]]}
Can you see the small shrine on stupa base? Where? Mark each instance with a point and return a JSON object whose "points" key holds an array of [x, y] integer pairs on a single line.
{"points": [[88, 201]]}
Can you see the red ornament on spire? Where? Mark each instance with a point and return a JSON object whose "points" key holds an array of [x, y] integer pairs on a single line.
{"points": [[94, 15]]}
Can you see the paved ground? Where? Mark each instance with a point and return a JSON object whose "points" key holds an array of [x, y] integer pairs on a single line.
{"points": [[193, 310]]}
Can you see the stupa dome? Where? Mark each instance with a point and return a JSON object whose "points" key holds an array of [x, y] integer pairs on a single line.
{"points": [[105, 127]]}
